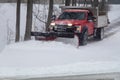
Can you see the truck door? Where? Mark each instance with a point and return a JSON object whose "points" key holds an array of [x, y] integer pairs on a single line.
{"points": [[90, 23]]}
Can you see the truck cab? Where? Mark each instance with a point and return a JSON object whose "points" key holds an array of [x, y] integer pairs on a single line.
{"points": [[74, 20]]}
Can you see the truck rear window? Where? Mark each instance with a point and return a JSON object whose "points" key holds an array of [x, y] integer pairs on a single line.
{"points": [[72, 15]]}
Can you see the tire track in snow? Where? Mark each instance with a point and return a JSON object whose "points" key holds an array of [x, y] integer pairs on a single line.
{"points": [[113, 28]]}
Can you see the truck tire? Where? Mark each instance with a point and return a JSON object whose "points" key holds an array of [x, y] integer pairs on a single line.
{"points": [[36, 38], [99, 34], [84, 38]]}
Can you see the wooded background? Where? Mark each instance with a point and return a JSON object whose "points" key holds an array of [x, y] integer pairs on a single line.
{"points": [[56, 1]]}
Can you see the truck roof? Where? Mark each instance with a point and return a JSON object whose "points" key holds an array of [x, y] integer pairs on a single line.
{"points": [[75, 10]]}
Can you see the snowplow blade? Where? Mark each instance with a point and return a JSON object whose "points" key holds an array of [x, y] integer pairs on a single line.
{"points": [[53, 34], [64, 37]]}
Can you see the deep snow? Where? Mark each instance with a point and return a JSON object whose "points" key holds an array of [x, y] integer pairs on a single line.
{"points": [[8, 22], [38, 58], [34, 58]]}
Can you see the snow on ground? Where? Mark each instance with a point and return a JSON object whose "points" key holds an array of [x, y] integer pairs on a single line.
{"points": [[114, 13], [38, 58], [63, 70], [8, 23], [34, 58], [3, 24]]}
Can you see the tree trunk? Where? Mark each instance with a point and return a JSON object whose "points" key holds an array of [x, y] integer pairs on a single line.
{"points": [[18, 21], [95, 3], [29, 20], [67, 2], [102, 5], [73, 2], [49, 13]]}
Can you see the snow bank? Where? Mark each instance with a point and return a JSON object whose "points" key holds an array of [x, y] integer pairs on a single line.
{"points": [[8, 22], [65, 70], [3, 25]]}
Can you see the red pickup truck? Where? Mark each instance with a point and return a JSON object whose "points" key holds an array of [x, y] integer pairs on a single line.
{"points": [[79, 22]]}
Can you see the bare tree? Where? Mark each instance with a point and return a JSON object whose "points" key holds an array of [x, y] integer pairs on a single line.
{"points": [[74, 2], [49, 13], [102, 5], [67, 2], [95, 3], [18, 21], [29, 20]]}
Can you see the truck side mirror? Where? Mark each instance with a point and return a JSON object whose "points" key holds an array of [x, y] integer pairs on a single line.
{"points": [[90, 19], [53, 17], [94, 19]]}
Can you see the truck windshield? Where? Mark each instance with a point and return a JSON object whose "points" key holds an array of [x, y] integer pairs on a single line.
{"points": [[72, 15]]}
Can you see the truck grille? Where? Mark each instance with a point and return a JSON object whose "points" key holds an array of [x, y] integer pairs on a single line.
{"points": [[64, 28], [61, 28]]}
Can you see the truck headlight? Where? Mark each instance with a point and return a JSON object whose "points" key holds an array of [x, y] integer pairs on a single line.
{"points": [[52, 24], [69, 24], [52, 27]]}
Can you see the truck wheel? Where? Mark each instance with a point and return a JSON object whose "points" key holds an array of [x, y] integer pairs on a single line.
{"points": [[36, 38], [84, 38], [99, 34]]}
